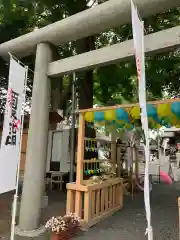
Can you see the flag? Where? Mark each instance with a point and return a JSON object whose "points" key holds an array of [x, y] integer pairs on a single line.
{"points": [[138, 37], [11, 136]]}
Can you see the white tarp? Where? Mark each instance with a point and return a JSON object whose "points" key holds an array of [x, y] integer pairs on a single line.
{"points": [[138, 36], [11, 136]]}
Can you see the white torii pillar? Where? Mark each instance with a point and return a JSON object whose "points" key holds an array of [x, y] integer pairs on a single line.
{"points": [[33, 188]]}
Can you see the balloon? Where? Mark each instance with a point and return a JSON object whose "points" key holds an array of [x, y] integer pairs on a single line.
{"points": [[122, 115], [151, 123], [89, 116], [173, 119], [109, 115], [99, 124], [151, 111], [168, 125], [129, 126], [165, 177], [121, 122], [111, 123], [158, 126], [99, 116], [135, 112], [164, 110], [175, 108], [169, 121]]}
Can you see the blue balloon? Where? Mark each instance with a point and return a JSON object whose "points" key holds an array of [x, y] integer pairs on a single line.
{"points": [[157, 120], [99, 116], [168, 125], [175, 108], [122, 115], [151, 111]]}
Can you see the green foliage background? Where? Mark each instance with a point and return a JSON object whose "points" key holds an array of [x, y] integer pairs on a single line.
{"points": [[103, 86]]}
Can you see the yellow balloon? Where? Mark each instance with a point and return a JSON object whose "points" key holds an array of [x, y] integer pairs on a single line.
{"points": [[128, 126], [89, 116], [174, 120], [109, 115], [178, 122], [157, 126], [164, 110], [100, 123], [135, 112]]}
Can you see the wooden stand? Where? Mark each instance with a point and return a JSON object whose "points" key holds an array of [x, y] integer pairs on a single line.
{"points": [[92, 201]]}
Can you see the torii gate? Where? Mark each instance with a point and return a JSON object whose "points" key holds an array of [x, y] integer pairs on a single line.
{"points": [[110, 14]]}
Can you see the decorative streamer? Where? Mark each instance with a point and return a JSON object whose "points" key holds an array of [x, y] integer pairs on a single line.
{"points": [[164, 114]]}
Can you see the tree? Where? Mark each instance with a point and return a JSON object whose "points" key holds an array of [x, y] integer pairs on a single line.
{"points": [[108, 85], [52, 11], [15, 19], [162, 70]]}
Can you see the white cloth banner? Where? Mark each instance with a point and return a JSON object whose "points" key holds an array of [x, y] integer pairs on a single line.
{"points": [[138, 36], [11, 136]]}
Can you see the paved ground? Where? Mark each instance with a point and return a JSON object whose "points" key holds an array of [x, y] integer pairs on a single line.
{"points": [[56, 207], [127, 224]]}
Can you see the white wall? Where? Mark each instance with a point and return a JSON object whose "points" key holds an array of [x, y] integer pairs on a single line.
{"points": [[58, 149]]}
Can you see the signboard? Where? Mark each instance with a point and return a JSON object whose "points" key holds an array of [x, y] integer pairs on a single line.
{"points": [[11, 136]]}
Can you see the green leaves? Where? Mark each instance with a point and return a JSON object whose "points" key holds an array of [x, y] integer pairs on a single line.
{"points": [[112, 84]]}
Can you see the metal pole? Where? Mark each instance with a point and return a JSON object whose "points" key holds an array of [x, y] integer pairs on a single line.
{"points": [[72, 134], [158, 155], [15, 200]]}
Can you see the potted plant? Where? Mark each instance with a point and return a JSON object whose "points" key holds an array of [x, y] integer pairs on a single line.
{"points": [[63, 227]]}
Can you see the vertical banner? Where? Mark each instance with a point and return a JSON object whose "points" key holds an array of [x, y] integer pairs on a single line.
{"points": [[11, 136], [138, 36]]}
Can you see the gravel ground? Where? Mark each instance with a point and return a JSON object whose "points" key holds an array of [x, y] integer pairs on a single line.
{"points": [[127, 224]]}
